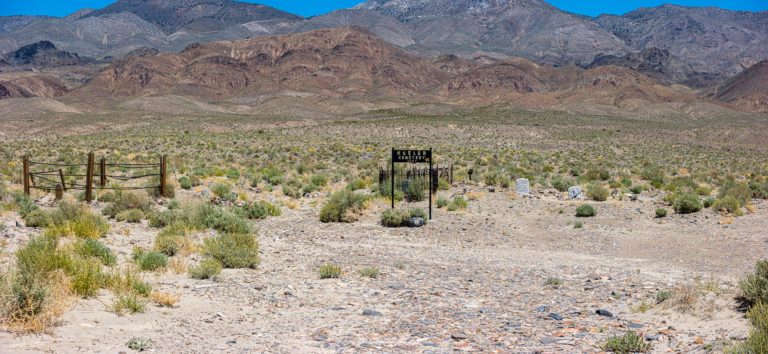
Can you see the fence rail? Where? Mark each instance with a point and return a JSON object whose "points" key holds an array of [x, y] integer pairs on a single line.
{"points": [[417, 173], [56, 179]]}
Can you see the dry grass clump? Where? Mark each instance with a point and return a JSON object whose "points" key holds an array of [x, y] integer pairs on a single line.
{"points": [[164, 299]]}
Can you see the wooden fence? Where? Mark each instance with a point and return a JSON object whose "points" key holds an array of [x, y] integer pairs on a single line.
{"points": [[54, 178]]}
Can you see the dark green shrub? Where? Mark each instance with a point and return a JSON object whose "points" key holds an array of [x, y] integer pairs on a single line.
{"points": [[385, 191], [96, 249], [233, 250], [597, 192], [259, 210], [343, 206], [630, 342], [759, 190], [636, 189], [171, 239], [415, 191], [728, 204], [222, 191], [272, 176], [329, 271], [754, 288], [130, 215], [757, 341], [400, 218], [23, 204], [687, 203], [127, 201], [38, 218], [597, 174], [737, 190], [561, 184], [441, 202], [207, 269], [149, 261], [185, 182], [458, 203], [708, 202], [661, 212], [585, 211]]}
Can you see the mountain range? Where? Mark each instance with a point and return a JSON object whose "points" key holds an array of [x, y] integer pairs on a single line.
{"points": [[448, 49]]}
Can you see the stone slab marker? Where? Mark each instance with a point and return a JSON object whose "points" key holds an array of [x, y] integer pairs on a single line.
{"points": [[523, 186]]}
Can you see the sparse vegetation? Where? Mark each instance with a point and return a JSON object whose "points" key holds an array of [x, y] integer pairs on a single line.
{"points": [[233, 250], [585, 211], [628, 343], [343, 206], [207, 269], [328, 271]]}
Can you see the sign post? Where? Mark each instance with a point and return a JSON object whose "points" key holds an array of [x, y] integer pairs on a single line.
{"points": [[413, 156]]}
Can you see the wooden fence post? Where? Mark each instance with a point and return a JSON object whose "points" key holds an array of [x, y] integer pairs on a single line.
{"points": [[59, 192], [89, 179], [162, 176], [61, 176], [102, 173], [25, 168]]}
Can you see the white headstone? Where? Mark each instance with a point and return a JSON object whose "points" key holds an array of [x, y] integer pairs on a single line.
{"points": [[574, 192], [523, 186]]}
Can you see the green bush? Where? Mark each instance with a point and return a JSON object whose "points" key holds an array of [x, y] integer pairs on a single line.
{"points": [[130, 215], [687, 203], [728, 204], [185, 182], [736, 190], [754, 288], [207, 269], [458, 203], [400, 218], [149, 261], [37, 218], [709, 201], [23, 204], [597, 192], [585, 211], [630, 342], [595, 174], [759, 190], [441, 202], [233, 250], [385, 191], [661, 212], [329, 271], [96, 249], [272, 176], [343, 206], [127, 201], [258, 210], [171, 239], [369, 272], [415, 191], [757, 341], [219, 220], [560, 183], [222, 191], [636, 189]]}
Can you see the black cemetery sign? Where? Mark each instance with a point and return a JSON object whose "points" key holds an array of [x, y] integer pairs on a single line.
{"points": [[411, 156]]}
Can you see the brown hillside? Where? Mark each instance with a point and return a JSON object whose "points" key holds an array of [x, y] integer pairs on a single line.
{"points": [[747, 90]]}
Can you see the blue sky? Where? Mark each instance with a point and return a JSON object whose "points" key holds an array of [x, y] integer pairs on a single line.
{"points": [[315, 7]]}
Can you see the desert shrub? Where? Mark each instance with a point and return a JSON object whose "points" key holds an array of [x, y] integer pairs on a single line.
{"points": [[292, 188], [400, 218], [127, 201], [578, 225], [272, 176], [415, 190], [258, 210], [737, 190], [630, 342], [686, 203], [86, 277], [207, 269], [663, 295], [329, 271], [139, 344], [318, 180], [149, 261], [185, 182], [728, 204], [492, 178], [233, 250], [458, 203], [754, 287], [164, 218], [661, 212], [597, 174], [597, 192], [443, 185], [560, 183], [343, 206], [23, 204], [130, 215], [208, 216], [369, 272], [308, 188], [441, 202], [38, 218], [585, 211], [757, 341], [128, 281], [708, 202], [171, 239], [96, 249], [222, 191], [154, 191], [655, 175], [759, 190], [89, 226], [357, 184], [636, 189], [385, 189], [129, 303]]}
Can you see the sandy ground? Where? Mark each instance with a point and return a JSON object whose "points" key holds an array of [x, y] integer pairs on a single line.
{"points": [[474, 280]]}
